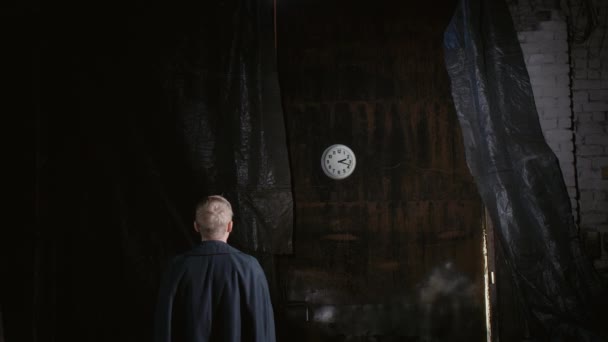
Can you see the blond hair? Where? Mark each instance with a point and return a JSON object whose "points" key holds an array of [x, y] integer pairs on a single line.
{"points": [[213, 214]]}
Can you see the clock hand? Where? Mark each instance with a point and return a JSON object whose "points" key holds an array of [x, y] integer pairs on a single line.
{"points": [[343, 161]]}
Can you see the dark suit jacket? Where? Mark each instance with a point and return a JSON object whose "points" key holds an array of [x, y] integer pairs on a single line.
{"points": [[215, 293]]}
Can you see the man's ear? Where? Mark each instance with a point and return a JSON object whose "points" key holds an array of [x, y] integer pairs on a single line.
{"points": [[229, 230], [196, 228]]}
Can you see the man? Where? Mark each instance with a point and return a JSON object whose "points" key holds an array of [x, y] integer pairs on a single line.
{"points": [[214, 292]]}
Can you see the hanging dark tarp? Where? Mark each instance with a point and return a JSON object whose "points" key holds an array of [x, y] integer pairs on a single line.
{"points": [[223, 88], [518, 175], [141, 108]]}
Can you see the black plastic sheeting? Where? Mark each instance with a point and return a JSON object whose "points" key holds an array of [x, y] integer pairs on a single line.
{"points": [[223, 87], [518, 175], [140, 109]]}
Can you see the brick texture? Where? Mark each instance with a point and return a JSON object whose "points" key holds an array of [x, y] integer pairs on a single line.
{"points": [[570, 85], [545, 48], [590, 105]]}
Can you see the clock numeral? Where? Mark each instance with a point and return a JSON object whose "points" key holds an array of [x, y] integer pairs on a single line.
{"points": [[329, 156]]}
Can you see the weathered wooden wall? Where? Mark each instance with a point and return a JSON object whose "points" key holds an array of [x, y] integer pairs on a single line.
{"points": [[368, 247]]}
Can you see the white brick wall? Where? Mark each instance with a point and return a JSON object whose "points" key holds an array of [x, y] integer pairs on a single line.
{"points": [[562, 71], [590, 106], [570, 85], [545, 49]]}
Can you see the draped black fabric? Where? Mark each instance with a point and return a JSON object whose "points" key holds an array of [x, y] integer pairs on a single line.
{"points": [[222, 85], [142, 107], [517, 174]]}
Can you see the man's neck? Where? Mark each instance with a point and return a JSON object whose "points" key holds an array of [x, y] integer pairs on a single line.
{"points": [[219, 240]]}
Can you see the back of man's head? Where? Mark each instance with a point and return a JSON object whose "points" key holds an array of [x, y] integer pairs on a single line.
{"points": [[213, 218]]}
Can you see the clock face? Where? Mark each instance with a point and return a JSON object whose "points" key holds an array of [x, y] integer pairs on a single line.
{"points": [[338, 161]]}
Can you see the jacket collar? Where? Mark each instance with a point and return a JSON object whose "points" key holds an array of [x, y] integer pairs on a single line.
{"points": [[212, 247]]}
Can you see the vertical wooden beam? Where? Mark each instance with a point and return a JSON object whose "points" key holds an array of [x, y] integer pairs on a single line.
{"points": [[490, 277]]}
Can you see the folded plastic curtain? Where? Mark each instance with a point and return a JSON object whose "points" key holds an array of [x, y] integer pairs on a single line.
{"points": [[226, 96], [517, 174]]}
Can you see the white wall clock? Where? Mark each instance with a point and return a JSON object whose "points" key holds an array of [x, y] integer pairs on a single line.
{"points": [[338, 161]]}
